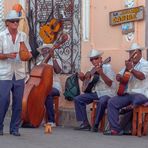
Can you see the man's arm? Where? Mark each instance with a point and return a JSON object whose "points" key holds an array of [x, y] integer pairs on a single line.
{"points": [[105, 78], [139, 75], [8, 55], [56, 67]]}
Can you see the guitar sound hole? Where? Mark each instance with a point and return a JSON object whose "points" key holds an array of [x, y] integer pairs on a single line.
{"points": [[52, 27]]}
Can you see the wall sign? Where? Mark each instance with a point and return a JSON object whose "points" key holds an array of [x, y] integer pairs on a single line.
{"points": [[126, 15], [127, 28]]}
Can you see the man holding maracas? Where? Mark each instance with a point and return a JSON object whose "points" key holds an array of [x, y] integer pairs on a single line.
{"points": [[14, 50]]}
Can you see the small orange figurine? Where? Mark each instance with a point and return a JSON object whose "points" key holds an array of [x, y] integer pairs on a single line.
{"points": [[48, 128]]}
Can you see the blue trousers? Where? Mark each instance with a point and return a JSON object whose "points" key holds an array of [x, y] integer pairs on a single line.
{"points": [[118, 102], [84, 99], [17, 89], [49, 104]]}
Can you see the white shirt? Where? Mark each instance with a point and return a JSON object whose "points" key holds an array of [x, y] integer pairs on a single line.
{"points": [[135, 85], [101, 87], [9, 67], [56, 79]]}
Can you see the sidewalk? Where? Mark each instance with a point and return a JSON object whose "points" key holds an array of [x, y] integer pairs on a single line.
{"points": [[66, 137]]}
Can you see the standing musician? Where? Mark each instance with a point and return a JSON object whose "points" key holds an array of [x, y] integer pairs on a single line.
{"points": [[12, 71], [135, 93], [102, 91]]}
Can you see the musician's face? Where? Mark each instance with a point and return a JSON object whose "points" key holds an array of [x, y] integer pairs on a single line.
{"points": [[44, 51], [96, 61], [137, 57], [12, 24]]}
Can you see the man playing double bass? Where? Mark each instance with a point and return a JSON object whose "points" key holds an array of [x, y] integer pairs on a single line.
{"points": [[56, 88], [44, 50], [103, 89], [135, 90]]}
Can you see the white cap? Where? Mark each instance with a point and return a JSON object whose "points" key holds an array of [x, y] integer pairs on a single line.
{"points": [[94, 53], [135, 46], [12, 15]]}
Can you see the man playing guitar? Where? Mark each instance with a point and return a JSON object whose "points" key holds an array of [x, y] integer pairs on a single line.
{"points": [[135, 92], [102, 91]]}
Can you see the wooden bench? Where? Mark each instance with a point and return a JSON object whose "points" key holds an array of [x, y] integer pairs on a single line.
{"points": [[93, 116], [140, 120]]}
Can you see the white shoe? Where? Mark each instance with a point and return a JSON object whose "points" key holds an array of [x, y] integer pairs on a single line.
{"points": [[52, 124]]}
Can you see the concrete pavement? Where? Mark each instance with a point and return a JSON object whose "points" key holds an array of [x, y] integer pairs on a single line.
{"points": [[66, 137]]}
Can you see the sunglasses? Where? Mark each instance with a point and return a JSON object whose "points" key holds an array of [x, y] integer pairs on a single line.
{"points": [[94, 59], [14, 21]]}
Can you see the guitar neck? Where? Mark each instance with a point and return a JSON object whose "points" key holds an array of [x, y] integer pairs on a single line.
{"points": [[130, 59], [104, 62], [93, 71], [132, 56]]}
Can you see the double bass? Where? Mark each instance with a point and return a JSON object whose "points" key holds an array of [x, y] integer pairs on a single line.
{"points": [[37, 88]]}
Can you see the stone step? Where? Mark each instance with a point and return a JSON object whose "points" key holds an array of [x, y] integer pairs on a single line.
{"points": [[67, 116]]}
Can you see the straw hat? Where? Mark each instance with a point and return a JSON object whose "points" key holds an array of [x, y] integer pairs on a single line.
{"points": [[135, 46], [12, 15], [94, 53], [40, 49]]}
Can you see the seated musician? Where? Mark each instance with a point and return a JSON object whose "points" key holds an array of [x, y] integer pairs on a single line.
{"points": [[135, 90], [43, 50], [56, 82], [102, 91]]}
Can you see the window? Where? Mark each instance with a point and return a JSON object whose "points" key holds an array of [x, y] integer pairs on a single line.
{"points": [[86, 19]]}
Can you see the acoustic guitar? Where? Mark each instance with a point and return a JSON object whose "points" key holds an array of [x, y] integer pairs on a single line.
{"points": [[125, 78], [48, 32], [87, 83]]}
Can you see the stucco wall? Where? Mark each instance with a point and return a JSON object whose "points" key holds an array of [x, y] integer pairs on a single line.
{"points": [[8, 4]]}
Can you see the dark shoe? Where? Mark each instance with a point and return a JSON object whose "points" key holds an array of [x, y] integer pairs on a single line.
{"points": [[15, 133], [113, 132], [1, 133], [83, 127], [127, 132], [94, 129]]}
